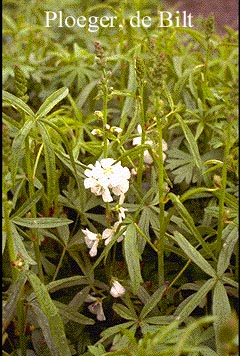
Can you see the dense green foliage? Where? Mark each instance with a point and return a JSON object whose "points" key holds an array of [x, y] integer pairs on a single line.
{"points": [[144, 262]]}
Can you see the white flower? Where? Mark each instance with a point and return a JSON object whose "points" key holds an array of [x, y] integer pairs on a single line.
{"points": [[108, 234], [117, 289], [106, 175], [146, 155], [96, 307], [91, 240]]}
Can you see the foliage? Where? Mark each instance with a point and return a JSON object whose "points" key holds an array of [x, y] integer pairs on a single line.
{"points": [[136, 255]]}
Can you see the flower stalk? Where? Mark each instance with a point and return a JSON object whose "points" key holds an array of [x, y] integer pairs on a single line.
{"points": [[160, 243]]}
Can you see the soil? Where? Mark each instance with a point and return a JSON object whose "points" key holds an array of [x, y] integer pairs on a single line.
{"points": [[224, 11]]}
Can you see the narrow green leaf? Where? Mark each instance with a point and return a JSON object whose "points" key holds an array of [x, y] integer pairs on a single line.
{"points": [[115, 329], [50, 310], [20, 248], [10, 306], [227, 249], [123, 311], [160, 320], [132, 257], [193, 254], [222, 310], [72, 314], [28, 204], [45, 335], [66, 283], [41, 223], [188, 220], [50, 163], [17, 103], [52, 101], [128, 105], [196, 299], [153, 301], [17, 146], [191, 141], [196, 191]]}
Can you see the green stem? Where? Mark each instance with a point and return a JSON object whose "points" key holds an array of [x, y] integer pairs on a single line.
{"points": [[9, 242], [105, 105], [59, 263], [21, 325], [223, 192], [160, 244], [143, 138], [33, 209], [180, 273]]}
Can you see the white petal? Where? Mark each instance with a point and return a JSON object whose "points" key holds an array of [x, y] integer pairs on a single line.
{"points": [[117, 289], [136, 141], [93, 251], [164, 145], [89, 234], [139, 128], [90, 298], [107, 162], [147, 157], [107, 196]]}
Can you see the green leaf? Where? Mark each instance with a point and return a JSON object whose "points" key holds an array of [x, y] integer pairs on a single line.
{"points": [[153, 301], [123, 311], [193, 254], [41, 223], [66, 283], [52, 101], [17, 146], [222, 310], [182, 166], [196, 299], [160, 320], [50, 310], [20, 248], [132, 257], [17, 103], [115, 329], [191, 141], [72, 314], [188, 220], [9, 307], [28, 204], [50, 163], [225, 255]]}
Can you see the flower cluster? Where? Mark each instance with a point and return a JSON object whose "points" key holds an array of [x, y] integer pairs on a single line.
{"points": [[92, 239], [107, 177], [147, 157]]}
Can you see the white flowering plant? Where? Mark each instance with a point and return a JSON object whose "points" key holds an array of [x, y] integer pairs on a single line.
{"points": [[120, 176]]}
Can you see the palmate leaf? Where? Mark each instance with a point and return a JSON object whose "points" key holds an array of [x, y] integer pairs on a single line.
{"points": [[182, 165]]}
